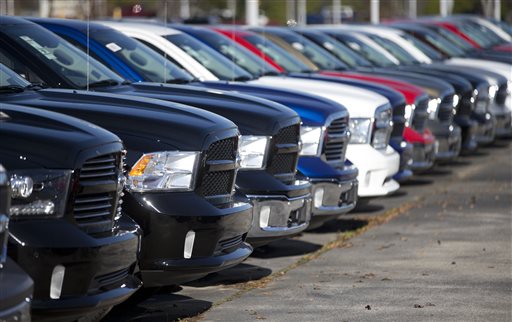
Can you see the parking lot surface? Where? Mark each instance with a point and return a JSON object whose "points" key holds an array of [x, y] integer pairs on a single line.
{"points": [[439, 250]]}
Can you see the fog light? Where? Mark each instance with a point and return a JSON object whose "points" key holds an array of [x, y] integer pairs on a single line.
{"points": [[189, 244], [264, 216], [57, 281], [319, 197]]}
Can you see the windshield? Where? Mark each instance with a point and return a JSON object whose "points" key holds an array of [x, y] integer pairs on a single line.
{"points": [[277, 54], [337, 49], [401, 54], [360, 47], [456, 40], [63, 58], [444, 45], [236, 53], [474, 34], [426, 49], [217, 64], [150, 65], [312, 51], [487, 33], [10, 78]]}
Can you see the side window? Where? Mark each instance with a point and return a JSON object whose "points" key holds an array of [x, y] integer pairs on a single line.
{"points": [[19, 68], [158, 50]]}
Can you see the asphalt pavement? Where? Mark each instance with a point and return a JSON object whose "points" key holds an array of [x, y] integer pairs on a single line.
{"points": [[439, 250]]}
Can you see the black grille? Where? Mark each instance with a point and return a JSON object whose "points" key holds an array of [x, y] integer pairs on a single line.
{"points": [[111, 279], [338, 126], [420, 115], [398, 121], [335, 143], [501, 94], [284, 163], [466, 105], [100, 168], [217, 183], [94, 210], [445, 112], [229, 244], [222, 150], [288, 135]]}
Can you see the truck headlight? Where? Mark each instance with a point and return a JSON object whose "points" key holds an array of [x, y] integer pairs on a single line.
{"points": [[311, 137], [253, 151], [39, 193], [164, 171], [433, 105], [409, 110], [360, 130], [456, 99], [493, 89]]}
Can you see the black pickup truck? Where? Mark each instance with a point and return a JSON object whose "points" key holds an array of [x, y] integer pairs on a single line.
{"points": [[181, 167], [15, 285], [269, 145], [66, 230]]}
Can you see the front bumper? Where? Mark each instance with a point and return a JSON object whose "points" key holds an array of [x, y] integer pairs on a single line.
{"points": [[448, 140], [469, 128], [376, 169], [486, 131], [170, 219], [503, 121], [423, 158], [15, 293], [98, 271], [405, 150]]}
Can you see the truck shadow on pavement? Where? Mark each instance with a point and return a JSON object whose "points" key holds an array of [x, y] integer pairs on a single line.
{"points": [[241, 273], [340, 226], [157, 305], [285, 248]]}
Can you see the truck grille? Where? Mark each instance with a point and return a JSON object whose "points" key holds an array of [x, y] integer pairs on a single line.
{"points": [[445, 112], [217, 183], [398, 121], [465, 106], [420, 115], [229, 244], [501, 95], [111, 279], [284, 163], [95, 203], [335, 143]]}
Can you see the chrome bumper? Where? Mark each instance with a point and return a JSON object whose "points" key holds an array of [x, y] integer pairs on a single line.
{"points": [[334, 198]]}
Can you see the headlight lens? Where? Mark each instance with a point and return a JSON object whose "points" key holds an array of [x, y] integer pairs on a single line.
{"points": [[253, 151], [161, 171], [493, 89], [433, 104], [39, 193], [456, 99], [311, 137], [409, 110], [360, 130]]}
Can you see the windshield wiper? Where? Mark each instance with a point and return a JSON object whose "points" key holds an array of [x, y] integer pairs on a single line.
{"points": [[12, 89], [270, 73], [178, 81], [36, 86], [104, 83], [242, 79]]}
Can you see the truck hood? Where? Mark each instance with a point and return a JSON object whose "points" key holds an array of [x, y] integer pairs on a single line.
{"points": [[459, 80], [503, 69], [359, 102], [252, 115], [144, 125], [312, 109], [34, 138], [394, 97]]}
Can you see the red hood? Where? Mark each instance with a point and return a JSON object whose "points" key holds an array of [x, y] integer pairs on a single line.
{"points": [[410, 92]]}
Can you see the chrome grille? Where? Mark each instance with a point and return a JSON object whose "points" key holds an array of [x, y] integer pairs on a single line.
{"points": [[336, 140], [217, 183], [94, 205]]}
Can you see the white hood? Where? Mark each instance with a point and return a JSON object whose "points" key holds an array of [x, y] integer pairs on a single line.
{"points": [[503, 69], [359, 102]]}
